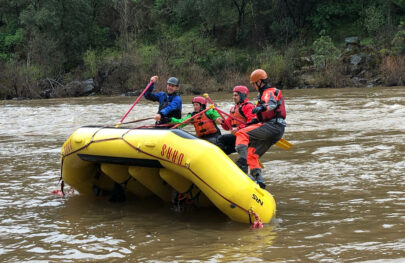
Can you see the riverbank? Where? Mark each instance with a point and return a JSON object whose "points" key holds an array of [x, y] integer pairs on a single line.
{"points": [[354, 65]]}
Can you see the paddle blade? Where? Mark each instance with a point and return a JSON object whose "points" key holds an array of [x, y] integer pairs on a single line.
{"points": [[284, 144]]}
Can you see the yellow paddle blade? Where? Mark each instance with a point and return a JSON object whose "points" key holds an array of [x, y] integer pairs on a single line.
{"points": [[261, 164], [284, 144]]}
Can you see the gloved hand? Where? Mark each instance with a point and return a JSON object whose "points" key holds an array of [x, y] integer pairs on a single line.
{"points": [[258, 109], [253, 121]]}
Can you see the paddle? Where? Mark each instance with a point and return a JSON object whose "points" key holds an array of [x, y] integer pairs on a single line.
{"points": [[196, 115], [133, 105], [219, 111]]}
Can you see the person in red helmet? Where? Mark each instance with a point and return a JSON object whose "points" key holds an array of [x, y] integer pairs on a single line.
{"points": [[205, 124], [265, 130], [241, 114]]}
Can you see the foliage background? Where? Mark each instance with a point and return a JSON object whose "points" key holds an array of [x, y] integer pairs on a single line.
{"points": [[208, 44]]}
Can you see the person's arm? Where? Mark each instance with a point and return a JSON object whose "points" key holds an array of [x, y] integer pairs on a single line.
{"points": [[272, 102], [213, 114], [173, 105], [151, 96], [247, 111], [227, 124], [175, 120]]}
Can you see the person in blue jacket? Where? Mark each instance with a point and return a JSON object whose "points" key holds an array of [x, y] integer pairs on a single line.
{"points": [[170, 103]]}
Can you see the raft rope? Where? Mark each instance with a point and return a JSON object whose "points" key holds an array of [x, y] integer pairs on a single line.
{"points": [[257, 224], [188, 198], [128, 122], [59, 192], [62, 192]]}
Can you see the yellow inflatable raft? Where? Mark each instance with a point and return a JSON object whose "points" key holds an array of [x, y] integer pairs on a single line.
{"points": [[148, 162]]}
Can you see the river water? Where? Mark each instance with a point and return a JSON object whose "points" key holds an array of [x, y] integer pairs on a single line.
{"points": [[340, 190]]}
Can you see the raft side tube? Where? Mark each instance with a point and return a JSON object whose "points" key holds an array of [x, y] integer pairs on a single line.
{"points": [[197, 161], [150, 178], [120, 175], [185, 186]]}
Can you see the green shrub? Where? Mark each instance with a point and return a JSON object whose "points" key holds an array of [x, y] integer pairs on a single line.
{"points": [[279, 67], [398, 43], [330, 77], [91, 62], [325, 52], [374, 20]]}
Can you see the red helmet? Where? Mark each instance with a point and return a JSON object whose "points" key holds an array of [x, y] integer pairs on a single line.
{"points": [[241, 89], [200, 100]]}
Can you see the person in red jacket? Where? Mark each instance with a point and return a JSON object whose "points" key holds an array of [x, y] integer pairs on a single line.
{"points": [[267, 128], [241, 113]]}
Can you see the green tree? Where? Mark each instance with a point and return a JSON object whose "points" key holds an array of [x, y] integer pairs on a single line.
{"points": [[12, 35], [374, 20], [398, 43], [325, 52]]}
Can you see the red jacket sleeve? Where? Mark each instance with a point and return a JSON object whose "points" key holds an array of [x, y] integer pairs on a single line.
{"points": [[227, 124], [247, 110]]}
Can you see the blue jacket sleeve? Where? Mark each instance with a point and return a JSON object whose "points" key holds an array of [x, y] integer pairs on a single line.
{"points": [[173, 105], [149, 95]]}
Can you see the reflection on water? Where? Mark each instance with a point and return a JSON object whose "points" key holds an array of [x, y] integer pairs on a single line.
{"points": [[339, 190]]}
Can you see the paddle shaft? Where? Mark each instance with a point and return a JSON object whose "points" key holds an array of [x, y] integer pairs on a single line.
{"points": [[196, 115], [218, 110], [137, 120], [133, 105]]}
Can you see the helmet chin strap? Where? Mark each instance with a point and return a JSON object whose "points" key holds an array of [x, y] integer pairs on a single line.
{"points": [[259, 84], [262, 85], [242, 97]]}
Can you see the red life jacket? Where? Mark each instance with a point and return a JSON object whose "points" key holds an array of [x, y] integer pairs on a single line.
{"points": [[279, 111], [237, 112], [204, 126]]}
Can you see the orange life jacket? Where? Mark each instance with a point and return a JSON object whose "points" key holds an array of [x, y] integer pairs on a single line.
{"points": [[279, 111], [236, 112], [204, 126]]}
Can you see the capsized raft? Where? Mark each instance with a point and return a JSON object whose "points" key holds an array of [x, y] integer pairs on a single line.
{"points": [[150, 162]]}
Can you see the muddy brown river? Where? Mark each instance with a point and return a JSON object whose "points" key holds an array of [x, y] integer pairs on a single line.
{"points": [[340, 190]]}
